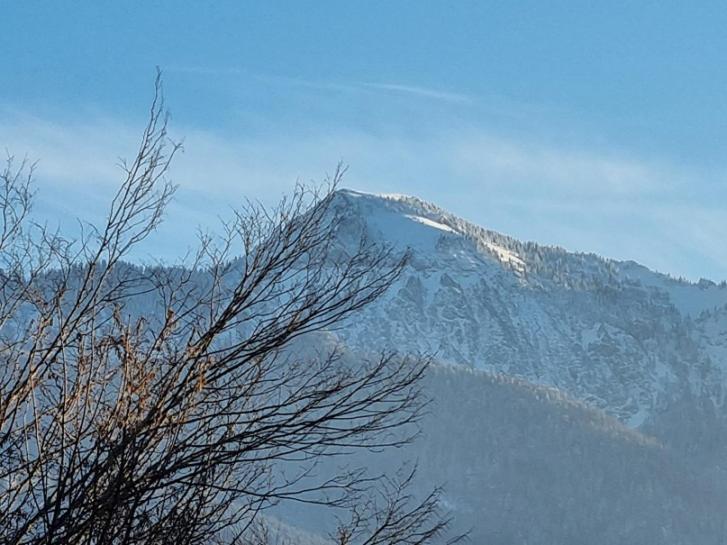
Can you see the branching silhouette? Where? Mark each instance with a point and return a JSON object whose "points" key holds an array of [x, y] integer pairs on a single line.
{"points": [[117, 428]]}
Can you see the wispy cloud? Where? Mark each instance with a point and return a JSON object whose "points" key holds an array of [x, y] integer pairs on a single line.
{"points": [[390, 88], [565, 168], [424, 92], [584, 199], [198, 70]]}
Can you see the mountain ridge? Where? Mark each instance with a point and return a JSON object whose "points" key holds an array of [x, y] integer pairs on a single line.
{"points": [[447, 221], [611, 333]]}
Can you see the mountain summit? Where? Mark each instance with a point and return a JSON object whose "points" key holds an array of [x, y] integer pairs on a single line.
{"points": [[579, 399], [613, 334]]}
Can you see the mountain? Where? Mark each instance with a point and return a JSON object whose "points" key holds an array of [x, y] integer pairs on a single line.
{"points": [[575, 399], [578, 399], [613, 334]]}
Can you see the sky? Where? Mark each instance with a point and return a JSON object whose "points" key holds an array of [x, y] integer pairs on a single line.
{"points": [[596, 126]]}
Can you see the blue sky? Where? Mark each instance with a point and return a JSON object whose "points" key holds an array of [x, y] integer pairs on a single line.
{"points": [[597, 126]]}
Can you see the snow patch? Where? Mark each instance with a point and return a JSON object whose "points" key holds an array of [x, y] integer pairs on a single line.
{"points": [[506, 256], [431, 223]]}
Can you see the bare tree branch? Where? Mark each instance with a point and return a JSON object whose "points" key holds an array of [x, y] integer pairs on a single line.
{"points": [[123, 428]]}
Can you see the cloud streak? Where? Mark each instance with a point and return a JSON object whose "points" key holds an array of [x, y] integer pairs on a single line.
{"points": [[386, 88], [420, 92]]}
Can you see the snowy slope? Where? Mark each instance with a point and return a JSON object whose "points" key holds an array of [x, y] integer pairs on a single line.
{"points": [[613, 334]]}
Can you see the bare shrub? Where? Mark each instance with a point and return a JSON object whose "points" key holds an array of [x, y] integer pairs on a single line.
{"points": [[123, 428]]}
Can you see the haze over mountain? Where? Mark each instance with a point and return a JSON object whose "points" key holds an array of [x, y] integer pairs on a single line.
{"points": [[575, 399]]}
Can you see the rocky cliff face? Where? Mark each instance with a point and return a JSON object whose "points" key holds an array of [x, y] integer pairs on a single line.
{"points": [[613, 334]]}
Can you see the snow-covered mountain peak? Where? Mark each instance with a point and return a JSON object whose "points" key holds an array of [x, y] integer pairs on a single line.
{"points": [[438, 237], [611, 333], [427, 230], [394, 212]]}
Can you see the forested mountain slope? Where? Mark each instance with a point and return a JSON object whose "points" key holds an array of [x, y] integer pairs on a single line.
{"points": [[521, 463]]}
